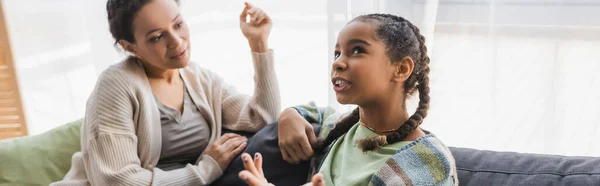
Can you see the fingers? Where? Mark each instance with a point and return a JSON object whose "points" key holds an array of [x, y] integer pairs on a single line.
{"points": [[306, 149], [260, 17], [310, 132], [249, 165], [296, 152], [249, 9], [226, 137], [253, 13], [239, 149], [248, 5], [249, 178], [235, 142], [317, 180], [293, 156], [286, 155], [244, 14], [257, 15], [299, 152], [293, 153], [258, 163]]}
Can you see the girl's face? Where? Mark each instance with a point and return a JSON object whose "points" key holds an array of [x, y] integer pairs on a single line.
{"points": [[362, 73], [162, 38]]}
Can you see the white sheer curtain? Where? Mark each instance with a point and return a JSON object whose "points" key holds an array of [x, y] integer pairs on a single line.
{"points": [[507, 75]]}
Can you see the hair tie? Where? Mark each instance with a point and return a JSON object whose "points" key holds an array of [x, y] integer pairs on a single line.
{"points": [[382, 140]]}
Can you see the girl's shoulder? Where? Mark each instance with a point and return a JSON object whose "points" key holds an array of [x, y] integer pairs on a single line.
{"points": [[425, 161], [426, 144]]}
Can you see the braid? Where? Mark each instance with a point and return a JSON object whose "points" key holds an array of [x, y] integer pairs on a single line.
{"points": [[423, 76], [341, 127], [402, 39]]}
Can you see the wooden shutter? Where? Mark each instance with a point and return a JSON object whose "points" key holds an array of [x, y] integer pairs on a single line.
{"points": [[12, 120]]}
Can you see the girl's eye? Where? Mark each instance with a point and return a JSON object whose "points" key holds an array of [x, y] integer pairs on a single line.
{"points": [[336, 55], [357, 50]]}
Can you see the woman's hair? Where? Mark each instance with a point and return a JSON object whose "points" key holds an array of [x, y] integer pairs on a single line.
{"points": [[401, 39], [120, 17]]}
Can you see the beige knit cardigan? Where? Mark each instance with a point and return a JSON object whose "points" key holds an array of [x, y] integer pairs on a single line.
{"points": [[121, 135]]}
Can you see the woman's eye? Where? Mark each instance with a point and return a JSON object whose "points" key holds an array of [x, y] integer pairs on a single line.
{"points": [[155, 39], [178, 25]]}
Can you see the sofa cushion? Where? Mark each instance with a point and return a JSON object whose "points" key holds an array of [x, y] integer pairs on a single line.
{"points": [[481, 167], [39, 159]]}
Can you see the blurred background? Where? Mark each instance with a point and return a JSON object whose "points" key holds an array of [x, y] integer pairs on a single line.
{"points": [[507, 75]]}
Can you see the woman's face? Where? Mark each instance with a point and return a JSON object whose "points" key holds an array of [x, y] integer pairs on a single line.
{"points": [[162, 38]]}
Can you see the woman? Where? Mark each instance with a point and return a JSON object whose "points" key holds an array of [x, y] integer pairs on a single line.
{"points": [[155, 119]]}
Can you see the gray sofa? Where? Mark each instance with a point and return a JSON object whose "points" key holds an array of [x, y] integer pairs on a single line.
{"points": [[480, 167], [44, 158], [474, 167]]}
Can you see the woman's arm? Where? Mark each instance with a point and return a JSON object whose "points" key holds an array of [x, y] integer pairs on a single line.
{"points": [[241, 112], [244, 113], [110, 146]]}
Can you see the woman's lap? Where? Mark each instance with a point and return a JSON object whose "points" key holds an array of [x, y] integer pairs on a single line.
{"points": [[276, 170]]}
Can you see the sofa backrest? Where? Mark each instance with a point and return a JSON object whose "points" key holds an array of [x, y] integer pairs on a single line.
{"points": [[481, 167], [45, 158]]}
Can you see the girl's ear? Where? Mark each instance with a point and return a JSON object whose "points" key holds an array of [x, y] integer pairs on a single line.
{"points": [[403, 69]]}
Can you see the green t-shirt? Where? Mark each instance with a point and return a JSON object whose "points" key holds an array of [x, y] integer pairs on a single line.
{"points": [[346, 164]]}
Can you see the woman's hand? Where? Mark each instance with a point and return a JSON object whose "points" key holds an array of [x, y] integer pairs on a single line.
{"points": [[227, 147], [257, 29], [295, 136], [254, 175]]}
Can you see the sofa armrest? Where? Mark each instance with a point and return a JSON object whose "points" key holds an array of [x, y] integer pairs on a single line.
{"points": [[39, 159]]}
